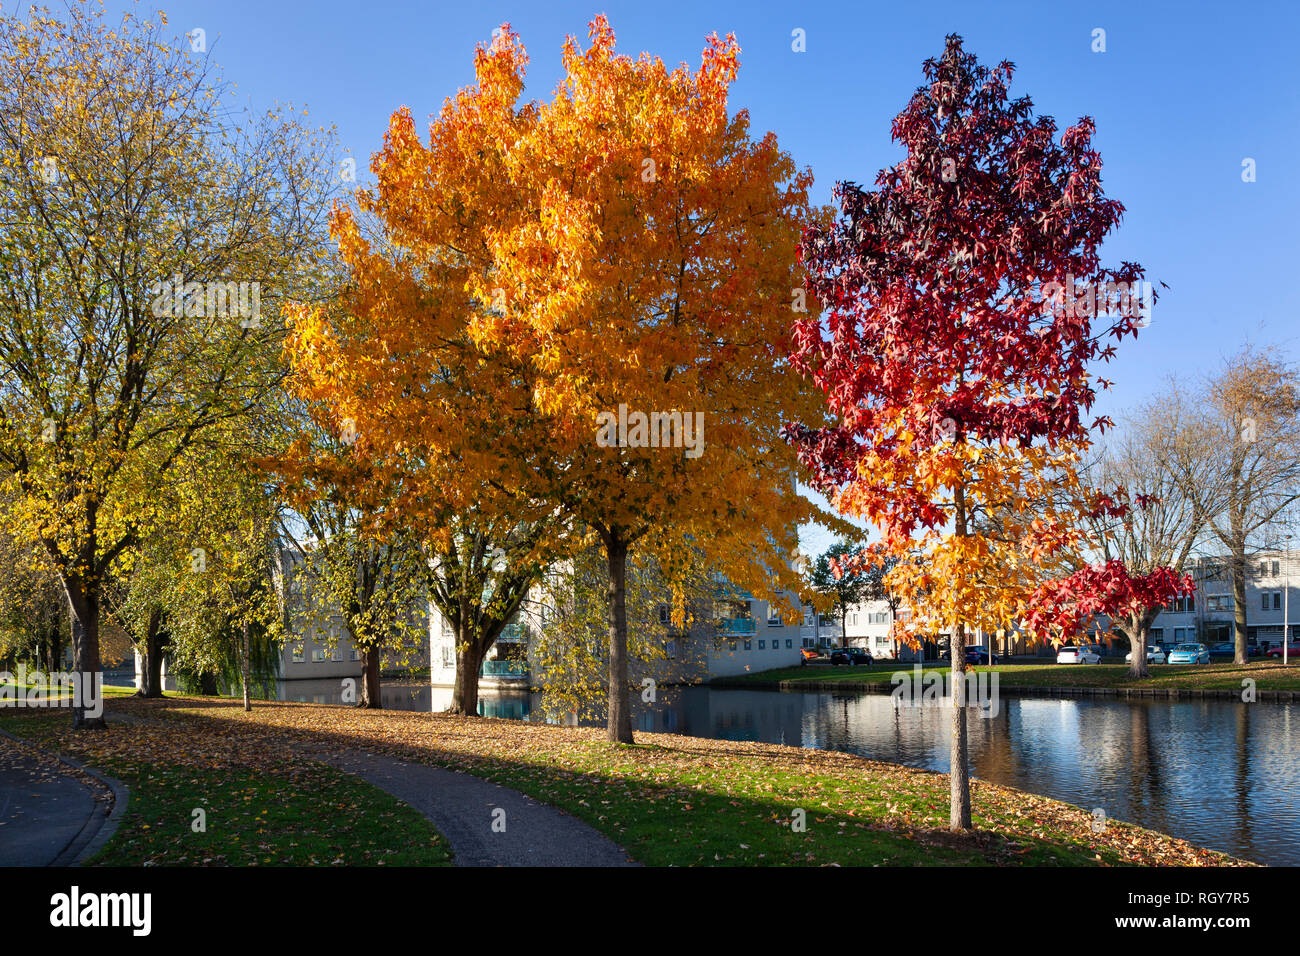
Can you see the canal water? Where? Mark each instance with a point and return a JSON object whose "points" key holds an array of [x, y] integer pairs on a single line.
{"points": [[1217, 773]]}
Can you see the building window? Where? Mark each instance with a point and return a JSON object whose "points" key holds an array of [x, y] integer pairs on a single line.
{"points": [[749, 645], [318, 655], [773, 617], [336, 655], [807, 642], [663, 614], [1277, 600], [789, 643], [298, 655], [1155, 635], [448, 656], [1276, 568], [762, 645]]}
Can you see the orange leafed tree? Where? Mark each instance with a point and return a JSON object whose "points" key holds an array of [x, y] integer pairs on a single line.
{"points": [[622, 254], [648, 278]]}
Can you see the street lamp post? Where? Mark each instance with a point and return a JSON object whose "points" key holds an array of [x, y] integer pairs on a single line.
{"points": [[1286, 601]]}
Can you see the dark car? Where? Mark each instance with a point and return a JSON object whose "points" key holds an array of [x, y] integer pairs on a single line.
{"points": [[978, 655], [850, 657], [1229, 649]]}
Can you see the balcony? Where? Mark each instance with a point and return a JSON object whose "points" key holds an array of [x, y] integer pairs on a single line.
{"points": [[737, 626], [518, 669]]}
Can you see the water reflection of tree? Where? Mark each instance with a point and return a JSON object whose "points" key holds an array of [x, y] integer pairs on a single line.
{"points": [[1241, 804], [996, 758], [1146, 770]]}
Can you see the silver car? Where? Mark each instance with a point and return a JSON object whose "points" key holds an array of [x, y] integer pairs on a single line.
{"points": [[1083, 654]]}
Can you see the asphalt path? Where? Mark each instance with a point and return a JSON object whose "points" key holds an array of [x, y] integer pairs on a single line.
{"points": [[484, 823], [51, 813]]}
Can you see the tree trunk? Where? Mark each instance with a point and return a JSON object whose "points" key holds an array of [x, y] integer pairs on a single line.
{"points": [[370, 696], [1137, 638], [958, 769], [469, 661], [1237, 567], [243, 667], [619, 722], [49, 654], [151, 657], [83, 608]]}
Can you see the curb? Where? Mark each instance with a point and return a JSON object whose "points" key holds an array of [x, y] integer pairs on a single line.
{"points": [[99, 827]]}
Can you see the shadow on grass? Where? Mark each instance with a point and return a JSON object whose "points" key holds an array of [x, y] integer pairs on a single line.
{"points": [[666, 804]]}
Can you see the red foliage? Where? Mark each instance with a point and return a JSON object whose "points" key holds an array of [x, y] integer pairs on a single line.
{"points": [[935, 282], [1068, 604]]}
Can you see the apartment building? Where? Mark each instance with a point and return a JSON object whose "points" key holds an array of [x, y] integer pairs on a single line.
{"points": [[317, 644], [737, 634], [1207, 615]]}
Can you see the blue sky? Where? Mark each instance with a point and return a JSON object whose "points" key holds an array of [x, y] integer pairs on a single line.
{"points": [[1183, 93]]}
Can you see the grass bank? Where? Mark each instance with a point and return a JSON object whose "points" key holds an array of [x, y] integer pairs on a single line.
{"points": [[1269, 676], [669, 800]]}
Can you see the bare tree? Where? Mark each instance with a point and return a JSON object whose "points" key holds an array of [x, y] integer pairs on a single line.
{"points": [[1251, 434], [1164, 488]]}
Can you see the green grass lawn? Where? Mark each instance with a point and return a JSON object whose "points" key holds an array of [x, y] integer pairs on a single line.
{"points": [[669, 800], [1213, 676], [285, 813], [112, 690]]}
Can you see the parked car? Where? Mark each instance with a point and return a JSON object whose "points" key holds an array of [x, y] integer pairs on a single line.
{"points": [[807, 654], [1081, 654], [975, 654], [1229, 649], [850, 657], [1190, 654], [1292, 651], [1155, 655]]}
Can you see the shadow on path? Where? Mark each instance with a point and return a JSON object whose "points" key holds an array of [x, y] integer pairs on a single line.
{"points": [[484, 823]]}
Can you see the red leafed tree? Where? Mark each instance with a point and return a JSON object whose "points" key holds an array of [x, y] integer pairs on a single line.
{"points": [[961, 321], [1069, 604]]}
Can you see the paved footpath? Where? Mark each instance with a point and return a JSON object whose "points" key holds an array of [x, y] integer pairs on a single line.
{"points": [[462, 807], [50, 814]]}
